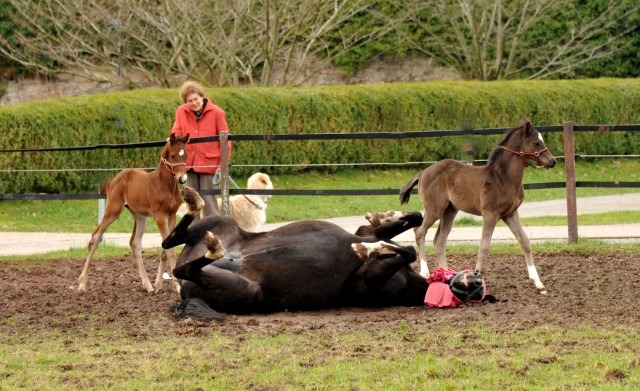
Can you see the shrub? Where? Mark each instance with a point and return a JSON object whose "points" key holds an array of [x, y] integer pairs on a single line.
{"points": [[147, 115]]}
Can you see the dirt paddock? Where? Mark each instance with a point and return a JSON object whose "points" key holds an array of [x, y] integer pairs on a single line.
{"points": [[598, 289]]}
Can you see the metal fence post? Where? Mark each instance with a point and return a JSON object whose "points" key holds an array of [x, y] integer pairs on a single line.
{"points": [[570, 171], [224, 172]]}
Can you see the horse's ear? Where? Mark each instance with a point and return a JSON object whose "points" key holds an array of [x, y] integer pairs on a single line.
{"points": [[172, 138], [186, 138], [527, 124]]}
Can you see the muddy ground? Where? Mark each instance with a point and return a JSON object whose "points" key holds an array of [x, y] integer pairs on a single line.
{"points": [[598, 290]]}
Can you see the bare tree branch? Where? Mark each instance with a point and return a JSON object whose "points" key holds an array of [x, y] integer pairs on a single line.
{"points": [[217, 42], [487, 39]]}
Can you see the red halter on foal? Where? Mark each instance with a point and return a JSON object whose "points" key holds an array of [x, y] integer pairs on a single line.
{"points": [[169, 166], [523, 154]]}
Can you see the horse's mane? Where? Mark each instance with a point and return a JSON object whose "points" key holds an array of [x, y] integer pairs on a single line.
{"points": [[497, 152]]}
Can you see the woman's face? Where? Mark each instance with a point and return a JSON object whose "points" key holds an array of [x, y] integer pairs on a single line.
{"points": [[195, 102]]}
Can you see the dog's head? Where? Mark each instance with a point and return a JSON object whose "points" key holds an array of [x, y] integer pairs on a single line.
{"points": [[260, 181]]}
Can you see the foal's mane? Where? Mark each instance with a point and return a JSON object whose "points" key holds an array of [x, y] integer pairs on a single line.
{"points": [[497, 152]]}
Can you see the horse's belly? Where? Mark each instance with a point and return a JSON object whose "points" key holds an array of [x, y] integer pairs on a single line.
{"points": [[469, 204], [301, 280]]}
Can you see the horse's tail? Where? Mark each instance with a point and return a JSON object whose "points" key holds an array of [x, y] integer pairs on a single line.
{"points": [[405, 192], [106, 187]]}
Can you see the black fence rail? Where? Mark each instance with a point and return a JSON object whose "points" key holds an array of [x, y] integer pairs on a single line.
{"points": [[568, 128], [320, 192], [327, 136]]}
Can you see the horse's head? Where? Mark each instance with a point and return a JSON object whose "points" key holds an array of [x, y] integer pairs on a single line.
{"points": [[174, 156], [531, 146], [468, 286]]}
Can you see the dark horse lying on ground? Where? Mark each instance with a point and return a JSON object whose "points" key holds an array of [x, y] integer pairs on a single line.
{"points": [[300, 266]]}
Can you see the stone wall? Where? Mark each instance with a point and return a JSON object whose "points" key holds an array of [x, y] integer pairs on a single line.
{"points": [[381, 70]]}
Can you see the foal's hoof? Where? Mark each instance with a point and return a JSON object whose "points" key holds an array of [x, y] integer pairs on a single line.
{"points": [[215, 247], [542, 291], [195, 203]]}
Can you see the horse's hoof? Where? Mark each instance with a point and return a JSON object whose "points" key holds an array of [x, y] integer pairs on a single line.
{"points": [[214, 245], [360, 250], [376, 218], [195, 203], [364, 250], [542, 291]]}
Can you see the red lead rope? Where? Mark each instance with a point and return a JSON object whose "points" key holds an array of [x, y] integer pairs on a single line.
{"points": [[523, 154]]}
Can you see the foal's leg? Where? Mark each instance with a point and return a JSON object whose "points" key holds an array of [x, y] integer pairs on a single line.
{"points": [[513, 222], [489, 221], [172, 253], [114, 208], [136, 246], [162, 220], [440, 239], [421, 232]]}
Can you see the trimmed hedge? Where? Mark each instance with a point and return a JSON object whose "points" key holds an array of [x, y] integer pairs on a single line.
{"points": [[147, 115]]}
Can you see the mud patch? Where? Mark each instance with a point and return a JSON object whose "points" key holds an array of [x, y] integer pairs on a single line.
{"points": [[596, 289]]}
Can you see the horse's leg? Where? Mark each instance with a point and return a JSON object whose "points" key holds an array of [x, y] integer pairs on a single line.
{"points": [[440, 239], [136, 246], [489, 221], [381, 261], [513, 222], [164, 222], [114, 207], [172, 255], [420, 233], [388, 225], [179, 233], [216, 286]]}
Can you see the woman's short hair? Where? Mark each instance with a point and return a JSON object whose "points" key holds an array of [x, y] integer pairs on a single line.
{"points": [[188, 88]]}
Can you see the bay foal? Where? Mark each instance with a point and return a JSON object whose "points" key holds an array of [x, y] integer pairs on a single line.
{"points": [[146, 194]]}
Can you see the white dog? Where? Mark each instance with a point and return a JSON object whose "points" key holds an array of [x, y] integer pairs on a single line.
{"points": [[248, 210]]}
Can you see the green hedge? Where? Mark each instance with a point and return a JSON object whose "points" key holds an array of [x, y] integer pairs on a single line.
{"points": [[147, 115]]}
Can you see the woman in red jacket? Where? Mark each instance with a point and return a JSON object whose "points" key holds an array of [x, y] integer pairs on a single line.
{"points": [[201, 118]]}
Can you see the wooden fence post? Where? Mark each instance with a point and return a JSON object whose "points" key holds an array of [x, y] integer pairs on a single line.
{"points": [[570, 171], [224, 172]]}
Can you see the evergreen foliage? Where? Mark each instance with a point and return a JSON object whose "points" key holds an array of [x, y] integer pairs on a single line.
{"points": [[147, 115]]}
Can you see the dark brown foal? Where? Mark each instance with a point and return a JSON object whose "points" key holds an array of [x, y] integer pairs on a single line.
{"points": [[494, 191]]}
